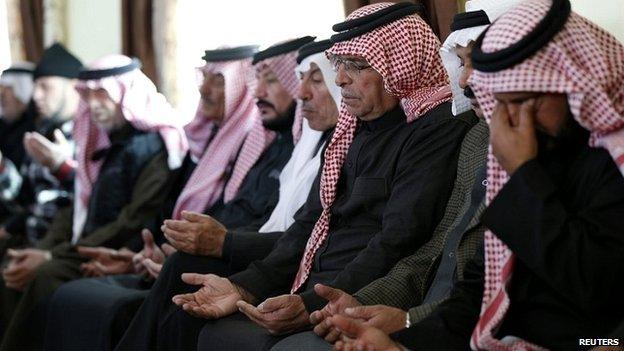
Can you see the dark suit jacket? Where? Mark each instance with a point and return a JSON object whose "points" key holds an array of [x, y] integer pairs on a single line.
{"points": [[406, 285]]}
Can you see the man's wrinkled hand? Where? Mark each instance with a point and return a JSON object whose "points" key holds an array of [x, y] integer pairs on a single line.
{"points": [[386, 318], [279, 315], [337, 302], [47, 153], [151, 258], [357, 336], [23, 266], [513, 144], [196, 234], [106, 261], [215, 299]]}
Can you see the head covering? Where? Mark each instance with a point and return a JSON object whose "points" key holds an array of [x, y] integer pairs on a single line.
{"points": [[141, 106], [280, 59], [19, 77], [403, 49], [205, 186], [580, 60], [466, 27], [200, 128], [299, 173], [57, 61], [314, 52]]}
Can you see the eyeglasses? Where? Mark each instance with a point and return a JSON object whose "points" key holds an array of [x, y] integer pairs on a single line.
{"points": [[352, 68]]}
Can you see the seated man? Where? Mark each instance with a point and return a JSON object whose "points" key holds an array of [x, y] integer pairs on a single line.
{"points": [[319, 101], [17, 116], [418, 283], [46, 178], [552, 257], [320, 109], [127, 140], [17, 112], [370, 207], [225, 113]]}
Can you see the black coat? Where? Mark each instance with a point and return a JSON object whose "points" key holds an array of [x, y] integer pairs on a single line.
{"points": [[392, 192], [562, 215]]}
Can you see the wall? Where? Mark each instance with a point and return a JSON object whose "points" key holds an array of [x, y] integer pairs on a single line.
{"points": [[5, 52], [93, 28], [608, 14]]}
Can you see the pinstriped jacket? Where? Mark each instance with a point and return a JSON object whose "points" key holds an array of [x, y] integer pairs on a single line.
{"points": [[406, 285]]}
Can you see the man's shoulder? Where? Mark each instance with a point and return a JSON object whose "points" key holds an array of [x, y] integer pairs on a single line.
{"points": [[145, 145], [440, 125], [441, 115]]}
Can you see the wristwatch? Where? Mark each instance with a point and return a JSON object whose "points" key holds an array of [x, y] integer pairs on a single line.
{"points": [[408, 323]]}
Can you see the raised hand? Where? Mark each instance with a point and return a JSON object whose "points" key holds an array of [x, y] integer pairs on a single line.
{"points": [[106, 261], [151, 259], [358, 336], [279, 315], [386, 318], [513, 137], [23, 266], [196, 234], [215, 299], [47, 153], [337, 302]]}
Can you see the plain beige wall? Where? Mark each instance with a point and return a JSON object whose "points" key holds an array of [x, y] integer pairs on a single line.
{"points": [[94, 28], [5, 52], [608, 14]]}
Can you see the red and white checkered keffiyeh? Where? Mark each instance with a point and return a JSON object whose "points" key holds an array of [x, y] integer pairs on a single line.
{"points": [[141, 105], [206, 184], [260, 138], [582, 61], [405, 53], [198, 130]]}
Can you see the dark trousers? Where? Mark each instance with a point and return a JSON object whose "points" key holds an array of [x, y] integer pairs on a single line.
{"points": [[235, 332], [93, 314], [25, 313], [161, 325]]}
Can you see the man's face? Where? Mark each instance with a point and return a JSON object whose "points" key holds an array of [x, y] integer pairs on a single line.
{"points": [[212, 91], [362, 88], [317, 104], [104, 111], [466, 63], [50, 94], [273, 99], [12, 107], [551, 110]]}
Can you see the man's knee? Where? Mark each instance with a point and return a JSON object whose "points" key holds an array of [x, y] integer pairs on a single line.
{"points": [[306, 341], [235, 332], [51, 274]]}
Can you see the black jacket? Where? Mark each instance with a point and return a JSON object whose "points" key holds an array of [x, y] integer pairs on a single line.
{"points": [[392, 192], [123, 161], [561, 214]]}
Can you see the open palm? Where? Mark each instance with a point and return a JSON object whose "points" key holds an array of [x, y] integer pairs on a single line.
{"points": [[217, 298]]}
